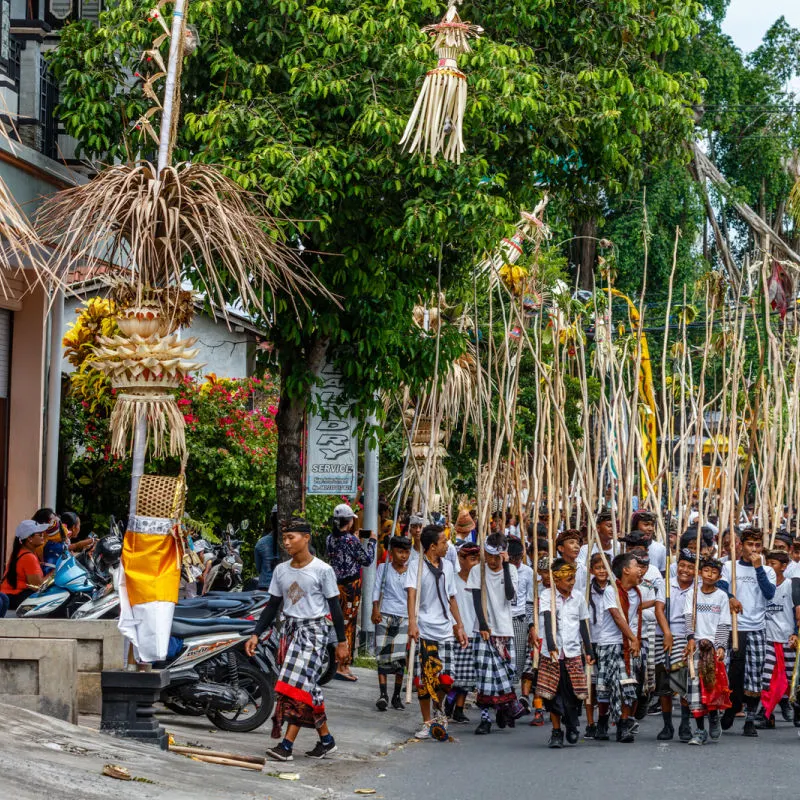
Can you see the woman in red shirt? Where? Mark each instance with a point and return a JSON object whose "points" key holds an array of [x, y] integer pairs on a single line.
{"points": [[24, 570]]}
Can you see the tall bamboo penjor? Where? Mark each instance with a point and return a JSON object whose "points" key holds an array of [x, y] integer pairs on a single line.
{"points": [[436, 122]]}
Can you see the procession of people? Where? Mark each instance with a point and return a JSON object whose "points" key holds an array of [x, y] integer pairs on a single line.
{"points": [[528, 625]]}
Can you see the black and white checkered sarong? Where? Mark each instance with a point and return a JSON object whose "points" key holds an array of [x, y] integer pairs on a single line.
{"points": [[520, 644], [494, 669], [754, 656], [391, 644], [306, 642], [614, 685], [464, 666]]}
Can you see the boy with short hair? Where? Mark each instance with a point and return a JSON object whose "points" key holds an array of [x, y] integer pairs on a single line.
{"points": [[390, 618], [619, 649], [562, 678], [568, 547], [671, 671], [535, 629], [597, 590], [432, 627], [307, 589], [464, 659], [494, 645], [708, 627], [783, 616], [755, 587]]}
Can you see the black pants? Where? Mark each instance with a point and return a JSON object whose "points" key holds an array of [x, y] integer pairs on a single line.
{"points": [[565, 703], [15, 599], [736, 673]]}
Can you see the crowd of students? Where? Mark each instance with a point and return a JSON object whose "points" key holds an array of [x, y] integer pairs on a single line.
{"points": [[526, 630]]}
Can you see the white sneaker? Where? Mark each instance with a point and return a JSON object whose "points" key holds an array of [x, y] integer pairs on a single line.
{"points": [[424, 732]]}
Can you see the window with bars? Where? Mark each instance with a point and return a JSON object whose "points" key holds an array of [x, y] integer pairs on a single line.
{"points": [[59, 12], [48, 100]]}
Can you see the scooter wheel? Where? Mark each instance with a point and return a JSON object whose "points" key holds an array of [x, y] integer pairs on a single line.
{"points": [[258, 686]]}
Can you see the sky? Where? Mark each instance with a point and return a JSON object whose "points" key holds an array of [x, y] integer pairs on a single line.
{"points": [[748, 20]]}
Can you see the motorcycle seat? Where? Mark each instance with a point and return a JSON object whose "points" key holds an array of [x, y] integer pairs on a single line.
{"points": [[211, 602], [197, 627]]}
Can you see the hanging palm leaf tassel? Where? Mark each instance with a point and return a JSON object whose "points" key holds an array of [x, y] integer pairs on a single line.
{"points": [[436, 122]]}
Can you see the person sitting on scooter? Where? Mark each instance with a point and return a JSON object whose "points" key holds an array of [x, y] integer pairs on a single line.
{"points": [[23, 574]]}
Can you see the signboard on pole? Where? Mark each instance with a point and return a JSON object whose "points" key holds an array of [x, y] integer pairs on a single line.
{"points": [[332, 448]]}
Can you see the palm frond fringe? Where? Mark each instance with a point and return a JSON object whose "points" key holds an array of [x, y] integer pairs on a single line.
{"points": [[190, 222]]}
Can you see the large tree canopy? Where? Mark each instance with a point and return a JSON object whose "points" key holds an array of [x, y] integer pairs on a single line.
{"points": [[306, 102]]}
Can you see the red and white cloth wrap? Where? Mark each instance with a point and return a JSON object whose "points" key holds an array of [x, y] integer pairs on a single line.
{"points": [[778, 669], [494, 670], [549, 677], [302, 648]]}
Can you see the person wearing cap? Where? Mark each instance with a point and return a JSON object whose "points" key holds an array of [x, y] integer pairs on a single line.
{"points": [[415, 525], [347, 557], [23, 573], [465, 527]]}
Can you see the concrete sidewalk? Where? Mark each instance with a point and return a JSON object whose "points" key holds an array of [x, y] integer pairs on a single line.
{"points": [[43, 756]]}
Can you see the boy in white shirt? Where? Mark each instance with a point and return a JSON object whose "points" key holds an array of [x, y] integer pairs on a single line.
{"points": [[494, 645], [306, 588], [464, 659], [562, 678], [390, 618], [432, 627], [619, 649], [671, 671], [597, 590], [783, 615], [568, 547], [708, 628], [755, 587]]}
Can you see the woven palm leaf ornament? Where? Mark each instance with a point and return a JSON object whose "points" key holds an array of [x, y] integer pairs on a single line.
{"points": [[436, 123]]}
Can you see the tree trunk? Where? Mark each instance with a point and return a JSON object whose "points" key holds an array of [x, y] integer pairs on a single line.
{"points": [[290, 421], [583, 251]]}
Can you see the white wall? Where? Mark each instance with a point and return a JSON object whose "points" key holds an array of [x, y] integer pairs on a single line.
{"points": [[226, 353]]}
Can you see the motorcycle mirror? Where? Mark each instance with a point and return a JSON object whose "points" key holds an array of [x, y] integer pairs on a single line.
{"points": [[229, 529], [245, 524]]}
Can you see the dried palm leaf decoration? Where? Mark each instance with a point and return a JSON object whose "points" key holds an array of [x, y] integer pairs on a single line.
{"points": [[164, 225], [437, 120]]}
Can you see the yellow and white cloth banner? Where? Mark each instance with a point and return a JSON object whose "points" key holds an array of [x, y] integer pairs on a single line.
{"points": [[148, 585]]}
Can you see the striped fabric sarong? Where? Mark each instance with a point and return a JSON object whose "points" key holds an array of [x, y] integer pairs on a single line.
{"points": [[614, 685], [549, 676]]}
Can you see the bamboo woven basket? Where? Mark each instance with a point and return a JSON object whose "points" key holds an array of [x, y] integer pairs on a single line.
{"points": [[161, 496]]}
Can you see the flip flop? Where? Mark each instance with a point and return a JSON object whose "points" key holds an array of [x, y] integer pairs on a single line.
{"points": [[342, 677]]}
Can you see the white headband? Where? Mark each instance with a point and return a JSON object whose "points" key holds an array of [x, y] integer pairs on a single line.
{"points": [[493, 551]]}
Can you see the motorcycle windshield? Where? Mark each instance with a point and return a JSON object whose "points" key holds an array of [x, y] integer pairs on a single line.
{"points": [[71, 575]]}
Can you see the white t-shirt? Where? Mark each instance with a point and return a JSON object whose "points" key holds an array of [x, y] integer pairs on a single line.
{"points": [[713, 610], [570, 611], [524, 590], [658, 555], [434, 623], [395, 599], [596, 608], [581, 576], [652, 587], [465, 605], [497, 607], [677, 608], [780, 614], [305, 591], [753, 616], [792, 570], [596, 549], [609, 632]]}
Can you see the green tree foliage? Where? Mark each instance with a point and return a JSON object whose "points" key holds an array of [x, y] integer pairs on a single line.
{"points": [[307, 102]]}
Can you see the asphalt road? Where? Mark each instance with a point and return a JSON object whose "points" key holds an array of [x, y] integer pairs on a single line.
{"points": [[518, 764]]}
